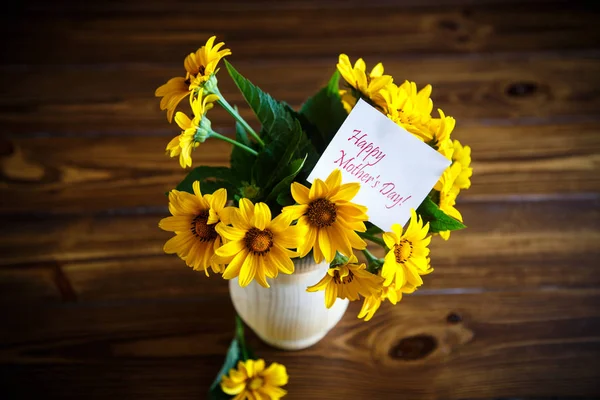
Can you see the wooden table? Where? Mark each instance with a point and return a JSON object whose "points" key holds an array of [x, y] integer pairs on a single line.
{"points": [[92, 308]]}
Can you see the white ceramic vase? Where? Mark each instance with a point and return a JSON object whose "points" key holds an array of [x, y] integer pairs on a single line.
{"points": [[285, 315]]}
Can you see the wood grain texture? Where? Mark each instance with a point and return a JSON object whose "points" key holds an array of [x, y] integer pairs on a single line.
{"points": [[507, 344], [496, 89], [157, 32], [507, 245], [93, 309], [80, 174]]}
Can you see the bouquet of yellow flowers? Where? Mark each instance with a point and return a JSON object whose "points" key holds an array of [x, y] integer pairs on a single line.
{"points": [[250, 220]]}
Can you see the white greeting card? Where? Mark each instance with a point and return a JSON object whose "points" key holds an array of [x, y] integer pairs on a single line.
{"points": [[395, 169]]}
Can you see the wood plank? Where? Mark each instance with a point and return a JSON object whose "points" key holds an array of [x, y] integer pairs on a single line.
{"points": [[501, 89], [507, 246], [505, 344], [82, 174], [145, 33], [29, 286], [30, 239]]}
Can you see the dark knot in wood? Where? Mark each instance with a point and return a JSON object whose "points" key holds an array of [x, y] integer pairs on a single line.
{"points": [[521, 89], [453, 318], [449, 25], [414, 347]]}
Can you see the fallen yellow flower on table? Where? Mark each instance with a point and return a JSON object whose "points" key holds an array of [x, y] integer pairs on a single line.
{"points": [[253, 382]]}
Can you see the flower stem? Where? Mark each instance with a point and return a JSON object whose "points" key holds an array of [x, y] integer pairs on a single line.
{"points": [[239, 333], [372, 238], [373, 263], [239, 118], [233, 142]]}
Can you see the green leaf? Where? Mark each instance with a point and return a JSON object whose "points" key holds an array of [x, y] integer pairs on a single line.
{"points": [[285, 199], [325, 111], [211, 179], [372, 229], [438, 220], [282, 132], [238, 351], [273, 115], [284, 185], [231, 359]]}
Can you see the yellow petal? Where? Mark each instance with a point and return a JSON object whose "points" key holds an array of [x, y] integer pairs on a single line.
{"points": [[307, 241], [262, 216], [390, 239], [346, 192], [248, 271], [300, 193], [295, 212], [183, 120], [280, 223], [232, 388], [233, 269], [318, 190], [246, 210], [230, 232], [342, 243], [360, 65], [377, 71], [260, 277], [230, 249], [397, 229], [173, 224], [334, 180], [280, 259], [325, 245], [179, 244], [331, 293], [219, 199]]}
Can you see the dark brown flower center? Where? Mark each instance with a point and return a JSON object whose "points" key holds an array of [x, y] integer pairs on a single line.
{"points": [[341, 281], [321, 213], [259, 242], [403, 251], [203, 231]]}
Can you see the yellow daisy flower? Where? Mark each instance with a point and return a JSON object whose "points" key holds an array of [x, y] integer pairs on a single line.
{"points": [[252, 381], [204, 61], [409, 108], [171, 93], [347, 281], [194, 218], [356, 76], [327, 220], [194, 131], [257, 247], [441, 128], [462, 155], [372, 303], [448, 190], [408, 255], [199, 67], [448, 193]]}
